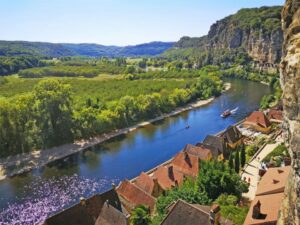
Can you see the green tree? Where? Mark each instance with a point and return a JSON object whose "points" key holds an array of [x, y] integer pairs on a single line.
{"points": [[141, 215], [237, 161], [53, 104], [216, 178], [230, 161], [243, 156]]}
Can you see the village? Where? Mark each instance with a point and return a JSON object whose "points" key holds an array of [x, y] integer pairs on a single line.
{"points": [[255, 141]]}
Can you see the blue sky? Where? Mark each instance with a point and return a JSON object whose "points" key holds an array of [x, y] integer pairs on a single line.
{"points": [[114, 22]]}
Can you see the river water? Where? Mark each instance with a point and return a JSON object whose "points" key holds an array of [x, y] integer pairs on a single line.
{"points": [[31, 197]]}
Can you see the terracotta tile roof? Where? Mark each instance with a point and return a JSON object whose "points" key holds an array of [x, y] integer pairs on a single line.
{"points": [[145, 182], [275, 114], [109, 215], [202, 152], [133, 196], [258, 118], [217, 145], [186, 163], [269, 208], [232, 135], [168, 177], [273, 181], [188, 214], [87, 211]]}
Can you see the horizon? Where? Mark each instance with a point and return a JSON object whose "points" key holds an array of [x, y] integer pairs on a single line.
{"points": [[33, 20]]}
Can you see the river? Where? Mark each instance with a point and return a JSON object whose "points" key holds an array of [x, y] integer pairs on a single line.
{"points": [[31, 197]]}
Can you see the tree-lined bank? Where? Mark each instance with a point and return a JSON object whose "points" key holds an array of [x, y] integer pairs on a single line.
{"points": [[48, 117]]}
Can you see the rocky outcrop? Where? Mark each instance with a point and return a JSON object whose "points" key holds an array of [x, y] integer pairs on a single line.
{"points": [[290, 80], [262, 46], [253, 32]]}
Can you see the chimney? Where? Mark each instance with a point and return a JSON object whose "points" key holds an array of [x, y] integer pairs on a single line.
{"points": [[171, 172], [214, 214], [275, 181], [256, 210]]}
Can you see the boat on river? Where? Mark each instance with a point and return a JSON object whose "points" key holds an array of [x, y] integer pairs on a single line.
{"points": [[228, 112]]}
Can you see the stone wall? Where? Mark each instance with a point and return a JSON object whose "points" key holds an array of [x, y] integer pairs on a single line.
{"points": [[290, 80]]}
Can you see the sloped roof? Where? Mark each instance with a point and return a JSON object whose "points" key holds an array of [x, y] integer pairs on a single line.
{"points": [[218, 143], [87, 211], [189, 214], [269, 209], [109, 215], [133, 196], [186, 163], [273, 181], [213, 149], [258, 118], [232, 134], [202, 152], [168, 177], [145, 182], [275, 115]]}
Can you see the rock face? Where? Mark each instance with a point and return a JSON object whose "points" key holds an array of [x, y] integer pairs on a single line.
{"points": [[262, 46], [290, 80], [253, 32]]}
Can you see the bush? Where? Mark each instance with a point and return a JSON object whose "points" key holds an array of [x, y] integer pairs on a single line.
{"points": [[251, 150], [230, 209], [277, 154]]}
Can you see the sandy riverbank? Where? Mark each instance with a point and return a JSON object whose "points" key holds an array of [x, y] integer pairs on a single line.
{"points": [[18, 164]]}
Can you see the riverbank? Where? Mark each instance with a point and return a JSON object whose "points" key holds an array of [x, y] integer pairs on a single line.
{"points": [[18, 164]]}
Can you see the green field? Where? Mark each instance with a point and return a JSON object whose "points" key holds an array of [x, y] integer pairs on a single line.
{"points": [[103, 87]]}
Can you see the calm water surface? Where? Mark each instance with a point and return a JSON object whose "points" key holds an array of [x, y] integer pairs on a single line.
{"points": [[63, 182]]}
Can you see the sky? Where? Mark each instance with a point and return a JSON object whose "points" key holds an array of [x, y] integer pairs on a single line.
{"points": [[114, 22]]}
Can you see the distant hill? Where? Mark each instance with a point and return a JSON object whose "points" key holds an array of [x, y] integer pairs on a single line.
{"points": [[21, 48], [250, 34]]}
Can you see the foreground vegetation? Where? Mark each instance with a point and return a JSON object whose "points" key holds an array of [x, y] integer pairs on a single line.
{"points": [[51, 115], [216, 182]]}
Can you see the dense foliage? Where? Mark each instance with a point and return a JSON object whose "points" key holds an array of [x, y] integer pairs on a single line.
{"points": [[103, 88], [231, 210], [48, 115], [10, 65], [140, 216], [272, 99], [277, 155], [215, 178]]}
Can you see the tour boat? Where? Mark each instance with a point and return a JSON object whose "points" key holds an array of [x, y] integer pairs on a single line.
{"points": [[226, 113]]}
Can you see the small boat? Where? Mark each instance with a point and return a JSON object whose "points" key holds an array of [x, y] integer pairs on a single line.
{"points": [[226, 113], [187, 126]]}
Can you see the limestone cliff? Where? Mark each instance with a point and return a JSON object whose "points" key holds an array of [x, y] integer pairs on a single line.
{"points": [[255, 33], [290, 79], [263, 45]]}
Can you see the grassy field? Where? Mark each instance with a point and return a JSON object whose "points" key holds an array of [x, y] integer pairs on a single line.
{"points": [[104, 87]]}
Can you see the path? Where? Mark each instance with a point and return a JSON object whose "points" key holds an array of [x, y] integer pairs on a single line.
{"points": [[252, 168]]}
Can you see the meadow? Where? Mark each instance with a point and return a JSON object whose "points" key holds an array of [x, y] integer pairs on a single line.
{"points": [[103, 87]]}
